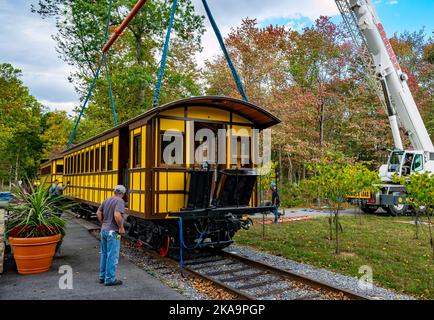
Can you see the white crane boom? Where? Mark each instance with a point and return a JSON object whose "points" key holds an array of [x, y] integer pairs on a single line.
{"points": [[399, 100]]}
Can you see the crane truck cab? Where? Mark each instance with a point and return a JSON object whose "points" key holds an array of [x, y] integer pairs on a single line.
{"points": [[392, 195], [404, 163]]}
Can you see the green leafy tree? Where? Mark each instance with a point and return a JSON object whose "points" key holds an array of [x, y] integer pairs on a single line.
{"points": [[56, 128], [20, 120], [333, 180], [420, 194]]}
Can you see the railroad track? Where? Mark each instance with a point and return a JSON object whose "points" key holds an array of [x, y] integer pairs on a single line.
{"points": [[249, 279], [252, 280]]}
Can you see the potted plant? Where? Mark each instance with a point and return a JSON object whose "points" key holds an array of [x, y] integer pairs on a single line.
{"points": [[34, 228]]}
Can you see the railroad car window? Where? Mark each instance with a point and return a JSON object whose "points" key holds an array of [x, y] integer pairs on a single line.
{"points": [[82, 162], [75, 164], [46, 170], [92, 160], [97, 159], [214, 128], [243, 153], [86, 166], [59, 168], [103, 158], [137, 151], [110, 157]]}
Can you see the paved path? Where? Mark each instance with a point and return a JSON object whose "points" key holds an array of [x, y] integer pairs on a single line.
{"points": [[80, 250]]}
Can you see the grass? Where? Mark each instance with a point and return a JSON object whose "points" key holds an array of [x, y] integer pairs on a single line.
{"points": [[386, 244]]}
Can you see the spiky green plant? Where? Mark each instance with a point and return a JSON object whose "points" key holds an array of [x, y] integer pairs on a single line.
{"points": [[36, 213]]}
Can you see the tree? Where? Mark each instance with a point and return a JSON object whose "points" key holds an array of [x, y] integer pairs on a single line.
{"points": [[311, 80], [134, 59], [333, 179], [56, 128], [20, 117], [420, 194]]}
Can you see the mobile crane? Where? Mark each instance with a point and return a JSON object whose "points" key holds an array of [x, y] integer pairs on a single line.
{"points": [[385, 73]]}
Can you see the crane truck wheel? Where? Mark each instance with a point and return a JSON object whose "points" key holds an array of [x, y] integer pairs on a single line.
{"points": [[398, 210]]}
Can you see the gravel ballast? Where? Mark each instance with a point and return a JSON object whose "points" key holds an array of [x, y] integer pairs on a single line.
{"points": [[329, 277]]}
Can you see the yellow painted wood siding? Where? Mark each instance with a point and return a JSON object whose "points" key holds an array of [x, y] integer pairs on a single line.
{"points": [[95, 185]]}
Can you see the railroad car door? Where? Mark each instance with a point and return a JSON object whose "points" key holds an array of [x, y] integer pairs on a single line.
{"points": [[124, 142]]}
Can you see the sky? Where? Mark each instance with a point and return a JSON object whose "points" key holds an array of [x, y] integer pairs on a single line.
{"points": [[26, 39]]}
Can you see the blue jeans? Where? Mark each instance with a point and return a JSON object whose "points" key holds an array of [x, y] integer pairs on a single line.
{"points": [[276, 214], [110, 246]]}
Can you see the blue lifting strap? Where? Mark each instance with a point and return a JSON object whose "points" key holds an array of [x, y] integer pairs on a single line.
{"points": [[225, 52], [181, 246], [164, 56], [112, 101], [71, 137]]}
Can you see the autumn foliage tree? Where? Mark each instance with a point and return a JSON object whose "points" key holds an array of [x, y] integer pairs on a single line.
{"points": [[334, 179], [312, 80]]}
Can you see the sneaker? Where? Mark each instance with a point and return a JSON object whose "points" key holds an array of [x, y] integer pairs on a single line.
{"points": [[114, 283], [101, 281]]}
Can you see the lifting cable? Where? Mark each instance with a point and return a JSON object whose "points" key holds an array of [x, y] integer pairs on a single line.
{"points": [[103, 59], [181, 245], [222, 46], [164, 56], [225, 52]]}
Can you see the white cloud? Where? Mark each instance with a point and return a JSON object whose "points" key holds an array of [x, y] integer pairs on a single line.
{"points": [[26, 43], [67, 106], [392, 2]]}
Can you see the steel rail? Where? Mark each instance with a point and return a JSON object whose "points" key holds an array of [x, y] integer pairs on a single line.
{"points": [[314, 283]]}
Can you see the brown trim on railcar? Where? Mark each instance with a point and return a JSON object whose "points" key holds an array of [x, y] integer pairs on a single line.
{"points": [[92, 173], [205, 120], [151, 165], [90, 188], [139, 123], [158, 145], [90, 142]]}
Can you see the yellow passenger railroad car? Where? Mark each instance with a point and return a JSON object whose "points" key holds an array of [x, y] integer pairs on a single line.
{"points": [[210, 196]]}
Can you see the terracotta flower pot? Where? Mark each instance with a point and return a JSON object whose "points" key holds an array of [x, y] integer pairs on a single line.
{"points": [[34, 255]]}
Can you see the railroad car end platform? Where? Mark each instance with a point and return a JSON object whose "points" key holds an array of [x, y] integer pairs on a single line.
{"points": [[80, 251]]}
